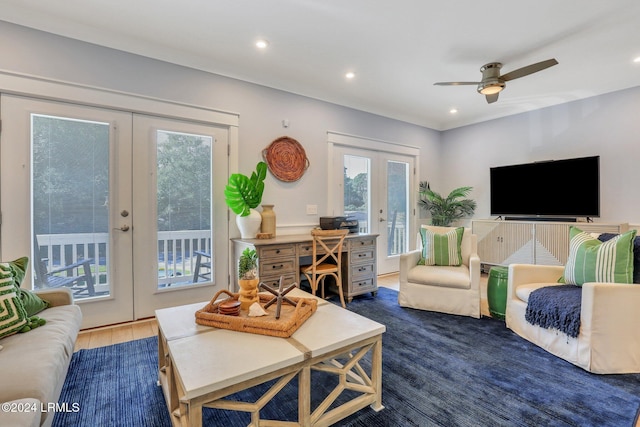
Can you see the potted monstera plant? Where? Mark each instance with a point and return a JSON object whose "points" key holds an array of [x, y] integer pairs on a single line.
{"points": [[243, 194], [445, 210]]}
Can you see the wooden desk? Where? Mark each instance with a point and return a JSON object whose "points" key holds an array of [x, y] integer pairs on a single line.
{"points": [[281, 255]]}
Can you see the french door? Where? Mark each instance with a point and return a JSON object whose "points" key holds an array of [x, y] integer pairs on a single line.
{"points": [[180, 239], [116, 206], [376, 187]]}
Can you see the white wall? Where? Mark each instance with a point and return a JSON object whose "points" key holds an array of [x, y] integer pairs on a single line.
{"points": [[607, 125], [261, 110]]}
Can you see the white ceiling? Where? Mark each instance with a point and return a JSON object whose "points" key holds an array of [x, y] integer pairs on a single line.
{"points": [[397, 49]]}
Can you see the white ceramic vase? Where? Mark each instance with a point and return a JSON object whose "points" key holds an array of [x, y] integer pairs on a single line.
{"points": [[249, 225]]}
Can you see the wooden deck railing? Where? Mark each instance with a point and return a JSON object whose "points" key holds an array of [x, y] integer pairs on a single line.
{"points": [[176, 258]]}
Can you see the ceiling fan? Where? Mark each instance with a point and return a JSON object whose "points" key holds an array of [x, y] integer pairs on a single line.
{"points": [[492, 82]]}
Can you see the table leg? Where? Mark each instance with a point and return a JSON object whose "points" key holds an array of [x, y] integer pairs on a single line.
{"points": [[376, 374], [304, 396], [194, 416]]}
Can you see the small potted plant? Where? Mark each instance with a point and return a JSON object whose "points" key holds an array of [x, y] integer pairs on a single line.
{"points": [[243, 194], [445, 210], [248, 278]]}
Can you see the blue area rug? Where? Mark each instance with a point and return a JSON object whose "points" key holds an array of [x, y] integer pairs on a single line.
{"points": [[439, 370]]}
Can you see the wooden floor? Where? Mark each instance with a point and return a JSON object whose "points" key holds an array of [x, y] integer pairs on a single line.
{"points": [[108, 335], [115, 334]]}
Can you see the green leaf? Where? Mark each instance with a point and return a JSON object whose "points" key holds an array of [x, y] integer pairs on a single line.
{"points": [[446, 210], [243, 193]]}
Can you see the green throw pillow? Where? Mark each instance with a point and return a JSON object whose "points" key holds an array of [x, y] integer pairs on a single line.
{"points": [[13, 316], [441, 249], [32, 303], [591, 260]]}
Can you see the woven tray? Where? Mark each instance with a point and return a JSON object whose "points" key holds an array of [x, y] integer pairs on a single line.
{"points": [[286, 159], [291, 318]]}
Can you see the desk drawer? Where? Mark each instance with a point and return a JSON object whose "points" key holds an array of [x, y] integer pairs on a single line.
{"points": [[361, 243], [274, 281], [277, 251], [363, 255], [277, 267], [362, 285], [365, 270], [306, 249]]}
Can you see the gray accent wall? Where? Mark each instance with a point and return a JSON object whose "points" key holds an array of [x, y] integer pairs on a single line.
{"points": [[607, 125]]}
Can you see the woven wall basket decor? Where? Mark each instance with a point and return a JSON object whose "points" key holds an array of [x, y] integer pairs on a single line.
{"points": [[286, 159]]}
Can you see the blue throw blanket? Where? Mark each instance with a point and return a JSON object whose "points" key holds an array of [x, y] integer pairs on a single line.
{"points": [[556, 307]]}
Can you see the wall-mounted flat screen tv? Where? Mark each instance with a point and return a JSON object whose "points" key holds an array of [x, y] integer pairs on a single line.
{"points": [[556, 188]]}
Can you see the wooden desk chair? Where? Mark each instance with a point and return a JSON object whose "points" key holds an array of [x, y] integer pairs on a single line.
{"points": [[327, 260]]}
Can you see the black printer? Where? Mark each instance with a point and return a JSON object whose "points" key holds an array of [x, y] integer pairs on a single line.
{"points": [[339, 223]]}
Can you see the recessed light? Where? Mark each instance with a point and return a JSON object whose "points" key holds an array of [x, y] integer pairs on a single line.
{"points": [[350, 75], [262, 44], [637, 60], [453, 110]]}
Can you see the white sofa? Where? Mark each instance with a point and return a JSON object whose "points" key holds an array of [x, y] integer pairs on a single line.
{"points": [[453, 290], [33, 365], [609, 337]]}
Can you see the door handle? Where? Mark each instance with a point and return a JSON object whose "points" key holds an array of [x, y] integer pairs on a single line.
{"points": [[123, 228], [383, 219]]}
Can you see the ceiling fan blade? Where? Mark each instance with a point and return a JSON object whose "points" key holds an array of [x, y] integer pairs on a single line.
{"points": [[492, 98], [529, 69], [455, 83]]}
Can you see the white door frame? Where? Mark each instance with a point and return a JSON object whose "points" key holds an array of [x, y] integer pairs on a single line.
{"points": [[336, 140]]}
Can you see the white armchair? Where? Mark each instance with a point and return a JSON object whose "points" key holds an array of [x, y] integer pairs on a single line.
{"points": [[446, 289], [609, 339]]}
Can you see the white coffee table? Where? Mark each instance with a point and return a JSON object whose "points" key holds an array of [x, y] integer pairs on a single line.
{"points": [[200, 367]]}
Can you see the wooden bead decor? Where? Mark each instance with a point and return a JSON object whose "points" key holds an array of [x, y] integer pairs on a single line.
{"points": [[286, 159]]}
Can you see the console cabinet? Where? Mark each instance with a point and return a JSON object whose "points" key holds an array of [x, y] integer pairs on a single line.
{"points": [[530, 242], [282, 255]]}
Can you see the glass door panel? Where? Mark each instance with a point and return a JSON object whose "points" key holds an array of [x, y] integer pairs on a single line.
{"points": [[70, 194], [398, 207], [357, 190], [184, 208]]}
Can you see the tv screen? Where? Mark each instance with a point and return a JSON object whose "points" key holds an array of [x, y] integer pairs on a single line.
{"points": [[557, 188]]}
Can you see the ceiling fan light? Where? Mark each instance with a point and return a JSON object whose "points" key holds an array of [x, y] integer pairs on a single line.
{"points": [[491, 88]]}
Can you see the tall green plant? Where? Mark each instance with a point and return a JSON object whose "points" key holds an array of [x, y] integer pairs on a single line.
{"points": [[445, 210], [243, 193]]}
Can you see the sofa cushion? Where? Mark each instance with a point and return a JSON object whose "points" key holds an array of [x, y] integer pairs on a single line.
{"points": [[35, 364], [445, 276], [13, 316], [591, 260], [523, 291], [21, 412], [441, 248]]}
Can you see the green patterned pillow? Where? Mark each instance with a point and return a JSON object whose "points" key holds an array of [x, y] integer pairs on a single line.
{"points": [[13, 316], [441, 249], [591, 260]]}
